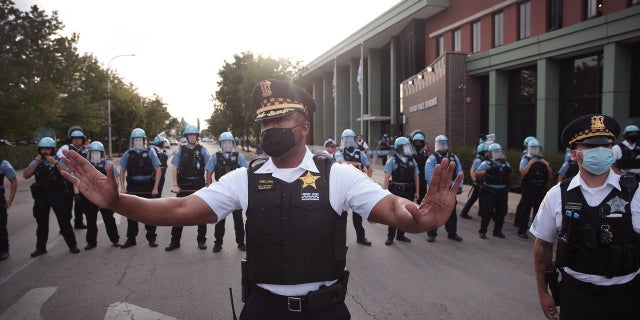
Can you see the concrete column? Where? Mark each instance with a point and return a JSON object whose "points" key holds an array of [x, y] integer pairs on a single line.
{"points": [[318, 117], [329, 107], [616, 76], [373, 94], [548, 94], [343, 96], [498, 105], [394, 103], [355, 98]]}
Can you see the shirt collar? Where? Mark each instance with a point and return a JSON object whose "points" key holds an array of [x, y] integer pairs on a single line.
{"points": [[613, 179], [307, 164]]}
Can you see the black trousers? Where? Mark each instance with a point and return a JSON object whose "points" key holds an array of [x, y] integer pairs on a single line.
{"points": [[176, 232], [44, 201], [451, 226], [493, 205], [238, 226], [259, 306], [143, 191], [576, 304], [393, 232], [4, 233], [91, 211], [72, 206], [357, 224], [532, 196], [475, 194]]}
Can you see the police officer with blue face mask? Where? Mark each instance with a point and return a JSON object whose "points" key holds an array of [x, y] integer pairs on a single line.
{"points": [[595, 220]]}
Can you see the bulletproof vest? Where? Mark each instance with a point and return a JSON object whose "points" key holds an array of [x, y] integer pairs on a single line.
{"points": [[360, 145], [82, 151], [356, 157], [48, 177], [163, 157], [481, 158], [225, 165], [101, 166], [421, 159], [572, 170], [191, 162], [537, 175], [451, 157], [404, 172], [630, 157], [139, 164], [293, 234], [498, 173], [597, 240]]}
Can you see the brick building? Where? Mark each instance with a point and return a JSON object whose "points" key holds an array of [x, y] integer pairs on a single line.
{"points": [[460, 68]]}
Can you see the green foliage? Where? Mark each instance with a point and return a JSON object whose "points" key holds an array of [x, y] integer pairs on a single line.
{"points": [[234, 107]]}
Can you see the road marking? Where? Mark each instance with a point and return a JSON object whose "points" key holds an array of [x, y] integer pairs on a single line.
{"points": [[127, 311], [28, 307]]}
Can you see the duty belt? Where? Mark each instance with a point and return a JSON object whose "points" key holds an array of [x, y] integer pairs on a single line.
{"points": [[315, 300], [594, 289]]}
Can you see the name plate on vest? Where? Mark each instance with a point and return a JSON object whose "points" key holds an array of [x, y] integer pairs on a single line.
{"points": [[265, 184]]}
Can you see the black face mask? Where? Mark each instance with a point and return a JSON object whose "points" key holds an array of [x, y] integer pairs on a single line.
{"points": [[350, 149], [277, 141], [418, 146], [632, 138]]}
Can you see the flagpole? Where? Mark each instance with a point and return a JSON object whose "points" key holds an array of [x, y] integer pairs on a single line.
{"points": [[362, 94], [335, 99]]}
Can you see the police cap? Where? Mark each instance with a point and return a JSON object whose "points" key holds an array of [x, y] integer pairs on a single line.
{"points": [[591, 129], [329, 143], [277, 98]]}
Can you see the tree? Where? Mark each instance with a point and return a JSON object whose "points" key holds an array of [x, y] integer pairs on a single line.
{"points": [[234, 106]]}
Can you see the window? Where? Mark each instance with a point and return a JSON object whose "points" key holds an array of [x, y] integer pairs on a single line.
{"points": [[594, 8], [439, 45], [525, 20], [498, 29], [475, 37], [457, 45], [555, 15], [522, 105]]}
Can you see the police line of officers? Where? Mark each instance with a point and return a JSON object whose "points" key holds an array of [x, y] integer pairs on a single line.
{"points": [[142, 173]]}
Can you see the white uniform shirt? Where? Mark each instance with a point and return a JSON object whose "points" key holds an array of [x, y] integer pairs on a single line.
{"points": [[348, 188], [548, 221], [617, 155]]}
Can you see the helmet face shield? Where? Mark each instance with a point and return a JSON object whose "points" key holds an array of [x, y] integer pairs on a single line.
{"points": [[442, 146], [227, 145], [534, 152], [348, 142], [497, 154], [407, 150], [96, 156], [137, 143]]}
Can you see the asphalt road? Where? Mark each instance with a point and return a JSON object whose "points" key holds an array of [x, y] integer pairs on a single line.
{"points": [[474, 279]]}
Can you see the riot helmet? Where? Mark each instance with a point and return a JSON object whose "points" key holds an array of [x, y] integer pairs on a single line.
{"points": [[227, 142], [631, 133], [47, 142], [441, 144], [96, 152], [482, 148], [191, 129], [534, 149], [159, 141], [404, 147], [495, 152], [348, 140], [138, 140], [526, 140], [418, 140]]}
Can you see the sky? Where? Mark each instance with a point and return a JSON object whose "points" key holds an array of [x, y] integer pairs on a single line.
{"points": [[180, 46]]}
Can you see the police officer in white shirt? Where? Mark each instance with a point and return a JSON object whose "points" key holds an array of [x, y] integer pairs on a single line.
{"points": [[595, 219], [296, 262]]}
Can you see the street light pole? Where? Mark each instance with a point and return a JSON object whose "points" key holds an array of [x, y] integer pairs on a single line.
{"points": [[109, 97]]}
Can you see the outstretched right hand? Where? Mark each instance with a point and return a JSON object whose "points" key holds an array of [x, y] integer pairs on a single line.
{"points": [[101, 190]]}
